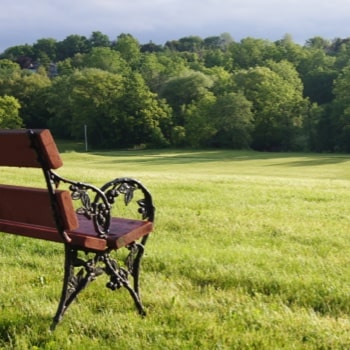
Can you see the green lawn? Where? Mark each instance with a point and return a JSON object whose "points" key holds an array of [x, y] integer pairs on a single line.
{"points": [[251, 251]]}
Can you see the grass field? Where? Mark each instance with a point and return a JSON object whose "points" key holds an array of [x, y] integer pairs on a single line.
{"points": [[251, 251]]}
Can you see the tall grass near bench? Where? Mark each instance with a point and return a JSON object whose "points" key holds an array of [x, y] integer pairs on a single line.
{"points": [[251, 251]]}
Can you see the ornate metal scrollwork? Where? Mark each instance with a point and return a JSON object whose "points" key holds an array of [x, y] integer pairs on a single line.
{"points": [[98, 209], [135, 250], [90, 268], [126, 187]]}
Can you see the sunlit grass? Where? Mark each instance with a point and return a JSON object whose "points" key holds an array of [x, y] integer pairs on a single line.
{"points": [[251, 251]]}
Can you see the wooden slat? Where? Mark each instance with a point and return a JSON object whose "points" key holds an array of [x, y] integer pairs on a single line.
{"points": [[123, 232], [29, 230], [66, 210], [32, 206], [16, 150]]}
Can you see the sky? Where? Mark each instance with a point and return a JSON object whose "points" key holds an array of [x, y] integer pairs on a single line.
{"points": [[24, 22]]}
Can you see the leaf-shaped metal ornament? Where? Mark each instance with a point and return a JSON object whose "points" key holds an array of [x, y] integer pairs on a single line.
{"points": [[111, 195], [85, 200], [123, 188], [76, 194], [142, 208], [129, 195], [75, 281]]}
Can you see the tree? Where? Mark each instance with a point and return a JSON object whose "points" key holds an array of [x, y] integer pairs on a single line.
{"points": [[174, 65], [45, 50], [341, 109], [200, 125], [190, 44], [318, 42], [151, 47], [222, 80], [106, 59], [278, 105], [9, 113], [341, 50], [184, 90], [233, 118], [14, 52], [145, 116], [287, 49], [213, 42], [317, 71], [72, 45], [91, 98], [289, 86], [30, 90], [119, 111], [98, 39], [223, 121], [226, 40], [318, 85], [8, 68], [323, 128], [129, 49], [152, 71], [251, 52]]}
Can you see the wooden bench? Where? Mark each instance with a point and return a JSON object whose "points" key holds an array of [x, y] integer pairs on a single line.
{"points": [[89, 230]]}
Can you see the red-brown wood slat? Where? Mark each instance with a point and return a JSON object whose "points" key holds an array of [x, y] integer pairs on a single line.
{"points": [[32, 206], [16, 149], [122, 231], [27, 211]]}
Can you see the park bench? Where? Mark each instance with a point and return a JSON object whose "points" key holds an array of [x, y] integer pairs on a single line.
{"points": [[76, 214]]}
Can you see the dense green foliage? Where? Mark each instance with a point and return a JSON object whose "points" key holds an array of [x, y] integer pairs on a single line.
{"points": [[193, 92], [251, 250]]}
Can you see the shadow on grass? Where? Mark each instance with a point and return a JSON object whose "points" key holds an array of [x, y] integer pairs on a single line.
{"points": [[183, 156], [70, 146], [205, 156], [316, 161]]}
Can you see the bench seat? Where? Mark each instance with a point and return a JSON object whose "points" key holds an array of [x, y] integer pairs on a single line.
{"points": [[122, 232], [27, 211]]}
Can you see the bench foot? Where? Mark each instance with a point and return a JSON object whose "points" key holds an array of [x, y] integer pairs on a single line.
{"points": [[90, 269], [119, 275]]}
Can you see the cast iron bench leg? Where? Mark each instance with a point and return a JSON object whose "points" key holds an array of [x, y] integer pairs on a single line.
{"points": [[72, 284], [119, 275], [133, 262]]}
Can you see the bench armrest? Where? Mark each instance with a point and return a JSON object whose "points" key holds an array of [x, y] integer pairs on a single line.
{"points": [[126, 187], [96, 203]]}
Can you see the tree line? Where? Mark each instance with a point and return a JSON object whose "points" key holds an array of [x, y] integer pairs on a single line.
{"points": [[191, 92]]}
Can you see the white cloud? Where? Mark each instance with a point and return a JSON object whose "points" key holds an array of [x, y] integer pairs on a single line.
{"points": [[161, 20]]}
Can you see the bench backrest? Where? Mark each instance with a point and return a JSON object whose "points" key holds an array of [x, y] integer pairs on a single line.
{"points": [[32, 206], [16, 149], [22, 207]]}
